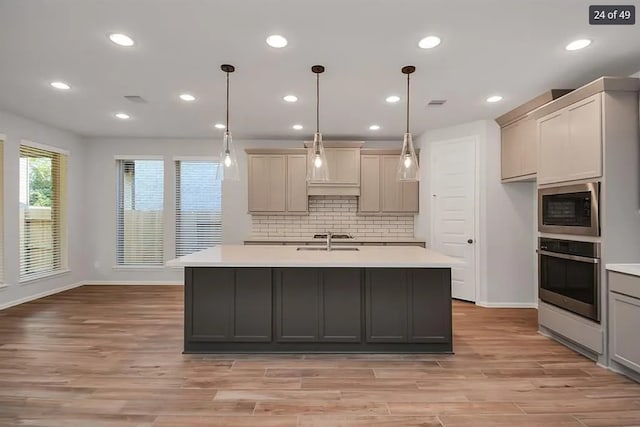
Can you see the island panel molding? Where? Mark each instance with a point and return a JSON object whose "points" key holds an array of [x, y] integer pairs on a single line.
{"points": [[317, 309]]}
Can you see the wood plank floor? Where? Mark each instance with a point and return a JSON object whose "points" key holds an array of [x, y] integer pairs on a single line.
{"points": [[111, 356]]}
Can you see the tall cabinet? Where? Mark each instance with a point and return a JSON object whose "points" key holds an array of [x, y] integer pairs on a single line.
{"points": [[592, 135]]}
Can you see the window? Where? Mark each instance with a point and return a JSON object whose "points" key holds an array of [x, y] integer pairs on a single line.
{"points": [[1, 212], [42, 199], [198, 206], [139, 239]]}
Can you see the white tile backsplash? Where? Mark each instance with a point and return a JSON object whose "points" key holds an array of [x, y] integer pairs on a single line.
{"points": [[335, 213]]}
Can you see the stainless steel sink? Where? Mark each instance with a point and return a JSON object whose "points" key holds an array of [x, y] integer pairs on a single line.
{"points": [[322, 248]]}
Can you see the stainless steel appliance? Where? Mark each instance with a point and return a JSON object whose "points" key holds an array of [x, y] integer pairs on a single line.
{"points": [[569, 275], [569, 209]]}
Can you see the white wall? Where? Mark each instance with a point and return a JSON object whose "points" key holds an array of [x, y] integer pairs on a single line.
{"points": [[101, 194], [16, 129], [505, 234]]}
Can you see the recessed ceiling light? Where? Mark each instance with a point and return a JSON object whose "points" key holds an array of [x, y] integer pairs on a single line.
{"points": [[60, 85], [374, 127], [123, 116], [578, 44], [219, 126], [392, 99], [290, 98], [297, 127], [187, 97], [276, 41], [121, 39], [494, 98], [429, 42]]}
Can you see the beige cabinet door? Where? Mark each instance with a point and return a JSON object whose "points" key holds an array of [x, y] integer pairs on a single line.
{"points": [[519, 154], [584, 149], [369, 183], [511, 152], [343, 164], [410, 199], [267, 183], [553, 132], [297, 200], [528, 135], [391, 193]]}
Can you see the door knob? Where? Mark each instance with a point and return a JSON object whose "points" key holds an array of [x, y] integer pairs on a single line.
{"points": [[470, 241]]}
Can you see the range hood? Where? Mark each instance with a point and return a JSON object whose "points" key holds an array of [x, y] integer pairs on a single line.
{"points": [[343, 160]]}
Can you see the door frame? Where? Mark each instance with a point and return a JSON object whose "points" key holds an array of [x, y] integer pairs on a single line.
{"points": [[476, 202]]}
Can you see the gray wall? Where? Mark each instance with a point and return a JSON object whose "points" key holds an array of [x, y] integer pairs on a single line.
{"points": [[16, 129], [505, 233]]}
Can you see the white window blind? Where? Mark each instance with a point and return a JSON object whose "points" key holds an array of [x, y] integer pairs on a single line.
{"points": [[140, 204], [42, 199], [198, 206], [1, 212]]}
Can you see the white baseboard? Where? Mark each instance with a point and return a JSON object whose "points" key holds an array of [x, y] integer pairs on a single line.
{"points": [[130, 282], [40, 295], [507, 304]]}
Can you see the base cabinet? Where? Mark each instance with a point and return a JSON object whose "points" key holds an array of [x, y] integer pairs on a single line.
{"points": [[228, 304], [398, 308], [317, 309], [318, 304], [624, 318]]}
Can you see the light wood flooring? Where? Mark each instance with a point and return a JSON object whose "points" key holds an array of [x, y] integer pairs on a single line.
{"points": [[111, 356]]}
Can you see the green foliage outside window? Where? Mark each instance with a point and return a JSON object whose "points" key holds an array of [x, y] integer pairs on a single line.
{"points": [[40, 182]]}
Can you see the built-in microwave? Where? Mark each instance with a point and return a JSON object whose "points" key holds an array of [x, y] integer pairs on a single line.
{"points": [[569, 209]]}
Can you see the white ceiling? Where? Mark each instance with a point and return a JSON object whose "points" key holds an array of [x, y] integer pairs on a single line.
{"points": [[507, 47]]}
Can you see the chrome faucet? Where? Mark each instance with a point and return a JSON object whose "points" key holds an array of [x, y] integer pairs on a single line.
{"points": [[329, 240]]}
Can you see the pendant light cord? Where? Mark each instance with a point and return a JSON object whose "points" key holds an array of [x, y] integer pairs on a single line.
{"points": [[227, 123], [317, 103], [408, 76]]}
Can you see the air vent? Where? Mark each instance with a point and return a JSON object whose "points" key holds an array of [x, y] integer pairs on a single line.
{"points": [[436, 102], [135, 98]]}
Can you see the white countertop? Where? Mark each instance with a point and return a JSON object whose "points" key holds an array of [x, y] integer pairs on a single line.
{"points": [[289, 256], [633, 269]]}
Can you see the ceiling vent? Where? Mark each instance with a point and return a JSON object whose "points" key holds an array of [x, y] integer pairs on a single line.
{"points": [[135, 98], [436, 102]]}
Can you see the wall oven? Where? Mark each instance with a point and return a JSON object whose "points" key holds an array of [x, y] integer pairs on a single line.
{"points": [[569, 275], [569, 209]]}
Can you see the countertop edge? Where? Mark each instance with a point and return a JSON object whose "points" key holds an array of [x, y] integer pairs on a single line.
{"points": [[632, 269]]}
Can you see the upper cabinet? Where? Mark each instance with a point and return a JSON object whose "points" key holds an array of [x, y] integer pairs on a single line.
{"points": [[573, 132], [570, 142], [343, 161], [277, 182], [519, 139], [518, 150], [381, 192]]}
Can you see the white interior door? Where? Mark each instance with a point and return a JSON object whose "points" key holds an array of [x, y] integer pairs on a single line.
{"points": [[453, 210]]}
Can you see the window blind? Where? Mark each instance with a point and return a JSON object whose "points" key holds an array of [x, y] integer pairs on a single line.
{"points": [[140, 204], [1, 213], [42, 200], [198, 206]]}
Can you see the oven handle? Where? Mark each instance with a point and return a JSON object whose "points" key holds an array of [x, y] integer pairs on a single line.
{"points": [[570, 257]]}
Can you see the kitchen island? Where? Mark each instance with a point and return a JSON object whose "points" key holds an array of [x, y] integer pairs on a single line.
{"points": [[281, 299]]}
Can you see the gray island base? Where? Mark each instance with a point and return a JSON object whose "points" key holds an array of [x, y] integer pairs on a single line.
{"points": [[317, 308]]}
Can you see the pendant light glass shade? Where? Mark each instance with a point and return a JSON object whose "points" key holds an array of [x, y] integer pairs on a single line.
{"points": [[408, 168], [317, 168], [228, 169]]}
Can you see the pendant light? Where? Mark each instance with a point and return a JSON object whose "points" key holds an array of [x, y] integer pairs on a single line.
{"points": [[228, 169], [408, 169], [317, 169]]}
